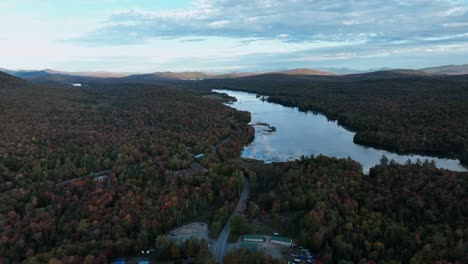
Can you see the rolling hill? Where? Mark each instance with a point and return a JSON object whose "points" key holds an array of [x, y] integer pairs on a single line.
{"points": [[306, 71], [32, 74], [386, 74], [9, 81], [98, 74], [448, 69], [62, 76], [294, 75], [25, 74]]}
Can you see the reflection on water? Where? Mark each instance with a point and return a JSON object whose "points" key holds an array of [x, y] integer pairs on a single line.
{"points": [[299, 133]]}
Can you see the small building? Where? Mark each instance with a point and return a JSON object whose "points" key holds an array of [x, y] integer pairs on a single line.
{"points": [[200, 156], [283, 241], [253, 238]]}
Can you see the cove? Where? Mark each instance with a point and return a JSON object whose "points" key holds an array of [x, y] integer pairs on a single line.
{"points": [[285, 133]]}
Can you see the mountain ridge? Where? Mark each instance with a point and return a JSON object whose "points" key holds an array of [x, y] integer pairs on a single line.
{"points": [[53, 76], [448, 69], [9, 81]]}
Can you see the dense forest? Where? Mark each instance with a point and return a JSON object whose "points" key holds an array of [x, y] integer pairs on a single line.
{"points": [[412, 213], [143, 137], [93, 173], [406, 114], [195, 250]]}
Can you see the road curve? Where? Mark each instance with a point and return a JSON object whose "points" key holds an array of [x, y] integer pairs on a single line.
{"points": [[219, 249]]}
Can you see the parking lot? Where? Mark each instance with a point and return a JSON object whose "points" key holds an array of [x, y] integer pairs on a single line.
{"points": [[183, 233], [280, 252], [300, 255]]}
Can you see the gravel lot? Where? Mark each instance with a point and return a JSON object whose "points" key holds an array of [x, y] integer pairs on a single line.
{"points": [[183, 233]]}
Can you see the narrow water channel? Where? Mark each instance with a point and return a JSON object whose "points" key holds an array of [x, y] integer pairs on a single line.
{"points": [[285, 133]]}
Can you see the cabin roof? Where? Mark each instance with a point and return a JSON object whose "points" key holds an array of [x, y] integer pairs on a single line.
{"points": [[253, 237], [281, 239]]}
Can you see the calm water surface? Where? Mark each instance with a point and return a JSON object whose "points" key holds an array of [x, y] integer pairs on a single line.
{"points": [[299, 133]]}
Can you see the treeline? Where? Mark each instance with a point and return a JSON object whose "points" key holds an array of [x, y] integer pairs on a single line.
{"points": [[407, 115], [194, 250], [411, 213], [143, 135]]}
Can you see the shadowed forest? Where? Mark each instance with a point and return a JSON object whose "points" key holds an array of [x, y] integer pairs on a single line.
{"points": [[144, 135], [93, 173], [399, 213]]}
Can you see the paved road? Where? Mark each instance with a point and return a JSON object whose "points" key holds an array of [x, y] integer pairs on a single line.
{"points": [[95, 175], [219, 249]]}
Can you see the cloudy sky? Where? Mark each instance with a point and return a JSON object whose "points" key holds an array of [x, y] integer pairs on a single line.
{"points": [[231, 35]]}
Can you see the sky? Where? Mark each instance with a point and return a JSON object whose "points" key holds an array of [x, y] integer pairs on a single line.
{"points": [[231, 35]]}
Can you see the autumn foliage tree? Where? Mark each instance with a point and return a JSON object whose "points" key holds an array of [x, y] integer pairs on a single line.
{"points": [[55, 142]]}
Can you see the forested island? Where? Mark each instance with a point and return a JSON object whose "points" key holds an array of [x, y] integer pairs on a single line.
{"points": [[90, 174]]}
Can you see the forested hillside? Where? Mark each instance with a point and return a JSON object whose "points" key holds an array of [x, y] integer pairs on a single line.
{"points": [[9, 82], [88, 174], [406, 114], [143, 136], [399, 214]]}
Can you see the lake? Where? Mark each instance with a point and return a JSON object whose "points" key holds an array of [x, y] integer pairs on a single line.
{"points": [[291, 134]]}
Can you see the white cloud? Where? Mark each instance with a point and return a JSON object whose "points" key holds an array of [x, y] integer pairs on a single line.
{"points": [[456, 11], [234, 34], [218, 24], [304, 20], [456, 24]]}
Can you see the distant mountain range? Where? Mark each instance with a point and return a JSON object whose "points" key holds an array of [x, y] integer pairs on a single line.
{"points": [[41, 73], [46, 76], [345, 71], [256, 80], [170, 75], [26, 74], [448, 69], [305, 71], [393, 73], [60, 76]]}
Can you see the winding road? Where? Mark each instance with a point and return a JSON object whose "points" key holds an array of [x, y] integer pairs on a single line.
{"points": [[94, 175], [219, 249]]}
